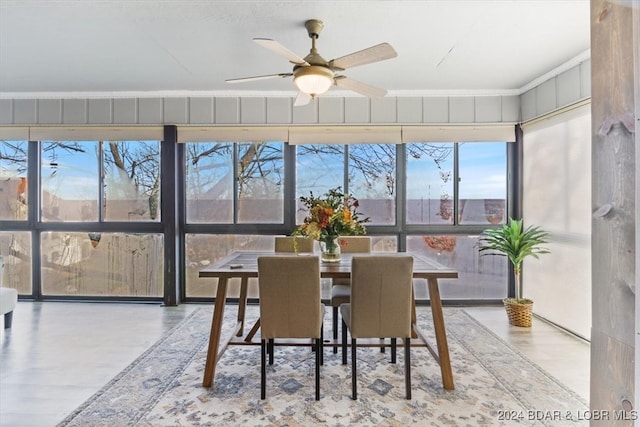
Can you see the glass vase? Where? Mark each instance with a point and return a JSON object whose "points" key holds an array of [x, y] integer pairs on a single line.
{"points": [[330, 248]]}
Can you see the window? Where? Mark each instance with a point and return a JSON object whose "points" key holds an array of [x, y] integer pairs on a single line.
{"points": [[429, 183], [102, 264], [482, 183], [319, 168], [371, 170], [13, 180], [218, 193], [106, 189], [474, 192], [372, 179], [70, 181], [132, 180], [15, 248]]}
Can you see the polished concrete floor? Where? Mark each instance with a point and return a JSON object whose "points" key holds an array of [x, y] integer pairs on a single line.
{"points": [[59, 354]]}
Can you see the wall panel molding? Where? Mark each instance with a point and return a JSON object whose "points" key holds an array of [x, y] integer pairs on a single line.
{"points": [[231, 110]]}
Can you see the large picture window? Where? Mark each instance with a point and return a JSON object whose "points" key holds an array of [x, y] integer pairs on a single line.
{"points": [[100, 230]]}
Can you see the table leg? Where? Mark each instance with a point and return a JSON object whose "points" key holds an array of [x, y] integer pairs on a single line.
{"points": [[214, 336], [441, 334], [414, 317], [242, 304]]}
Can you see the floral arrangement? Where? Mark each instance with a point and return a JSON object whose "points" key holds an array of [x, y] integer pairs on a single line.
{"points": [[335, 214]]}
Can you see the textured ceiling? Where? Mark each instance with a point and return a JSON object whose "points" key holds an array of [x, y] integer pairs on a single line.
{"points": [[94, 47]]}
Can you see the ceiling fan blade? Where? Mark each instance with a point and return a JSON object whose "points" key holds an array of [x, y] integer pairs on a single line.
{"points": [[250, 79], [302, 99], [359, 87], [380, 52], [277, 48]]}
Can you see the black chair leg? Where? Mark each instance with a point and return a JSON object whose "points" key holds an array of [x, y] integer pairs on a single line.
{"points": [[335, 328], [8, 319], [354, 383], [393, 350], [382, 346], [263, 369], [321, 345], [318, 347], [407, 366], [270, 349], [344, 343]]}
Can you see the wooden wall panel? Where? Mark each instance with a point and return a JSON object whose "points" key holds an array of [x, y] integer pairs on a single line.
{"points": [[435, 109], [383, 110], [546, 96], [357, 110], [232, 110], [74, 111], [49, 111], [201, 110], [409, 109], [253, 110], [175, 110], [6, 111], [99, 111], [510, 109], [462, 109], [227, 110], [488, 109], [150, 110], [279, 111], [568, 87], [330, 110], [306, 114], [125, 111], [613, 198]]}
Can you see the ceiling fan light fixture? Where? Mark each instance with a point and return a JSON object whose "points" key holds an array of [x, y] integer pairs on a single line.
{"points": [[313, 80]]}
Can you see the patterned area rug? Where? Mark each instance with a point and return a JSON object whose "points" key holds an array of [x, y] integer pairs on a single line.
{"points": [[495, 385]]}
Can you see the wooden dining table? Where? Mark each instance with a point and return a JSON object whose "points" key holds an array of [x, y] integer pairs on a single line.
{"points": [[244, 265]]}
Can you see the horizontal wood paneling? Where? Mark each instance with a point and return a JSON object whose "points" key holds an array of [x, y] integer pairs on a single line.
{"points": [[261, 110], [558, 92]]}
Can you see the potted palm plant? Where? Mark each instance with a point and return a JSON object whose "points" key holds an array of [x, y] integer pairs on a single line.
{"points": [[515, 242]]}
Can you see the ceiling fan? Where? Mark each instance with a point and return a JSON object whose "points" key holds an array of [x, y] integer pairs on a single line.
{"points": [[313, 75]]}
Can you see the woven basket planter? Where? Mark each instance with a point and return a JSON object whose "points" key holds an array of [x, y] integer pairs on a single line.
{"points": [[519, 314]]}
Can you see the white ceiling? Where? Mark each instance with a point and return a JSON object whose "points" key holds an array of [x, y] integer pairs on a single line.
{"points": [[90, 48]]}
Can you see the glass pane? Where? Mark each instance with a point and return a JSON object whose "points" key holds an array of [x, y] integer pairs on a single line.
{"points": [[209, 182], [479, 277], [260, 182], [372, 180], [204, 249], [483, 182], [384, 244], [69, 174], [319, 168], [102, 264], [15, 249], [132, 180], [13, 180], [429, 183]]}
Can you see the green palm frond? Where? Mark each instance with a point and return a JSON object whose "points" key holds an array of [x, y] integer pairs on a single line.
{"points": [[514, 242]]}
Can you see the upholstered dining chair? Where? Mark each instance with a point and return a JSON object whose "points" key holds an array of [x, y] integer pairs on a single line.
{"points": [[286, 244], [381, 294], [290, 306], [340, 288]]}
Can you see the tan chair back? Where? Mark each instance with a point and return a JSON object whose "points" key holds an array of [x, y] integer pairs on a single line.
{"points": [[381, 292], [354, 244], [285, 244], [289, 288]]}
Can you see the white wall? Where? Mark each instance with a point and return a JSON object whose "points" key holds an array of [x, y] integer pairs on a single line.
{"points": [[557, 197]]}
